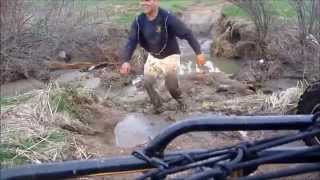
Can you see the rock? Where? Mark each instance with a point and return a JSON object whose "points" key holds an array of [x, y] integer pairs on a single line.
{"points": [[91, 83], [20, 87], [63, 56], [223, 88], [246, 76], [65, 122], [267, 91], [77, 78]]}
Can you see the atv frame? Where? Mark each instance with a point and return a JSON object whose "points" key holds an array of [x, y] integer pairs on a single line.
{"points": [[238, 161]]}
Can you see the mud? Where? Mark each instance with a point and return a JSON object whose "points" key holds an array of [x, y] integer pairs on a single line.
{"points": [[20, 87], [119, 120]]}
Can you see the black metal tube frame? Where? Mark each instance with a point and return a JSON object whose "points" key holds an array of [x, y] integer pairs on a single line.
{"points": [[226, 123], [157, 146], [70, 169]]}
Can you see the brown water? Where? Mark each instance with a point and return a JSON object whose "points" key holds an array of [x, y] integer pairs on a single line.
{"points": [[214, 64], [229, 66]]}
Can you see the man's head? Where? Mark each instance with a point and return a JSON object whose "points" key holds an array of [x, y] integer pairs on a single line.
{"points": [[150, 6]]}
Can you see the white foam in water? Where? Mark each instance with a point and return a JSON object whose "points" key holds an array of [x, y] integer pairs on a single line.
{"points": [[197, 68], [189, 67], [182, 69], [137, 79], [211, 67]]}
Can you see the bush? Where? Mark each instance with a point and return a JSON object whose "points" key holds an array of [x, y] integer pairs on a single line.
{"points": [[34, 32], [260, 14]]}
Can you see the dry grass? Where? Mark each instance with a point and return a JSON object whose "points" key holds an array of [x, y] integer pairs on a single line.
{"points": [[284, 102], [32, 132], [246, 105], [27, 134], [33, 35]]}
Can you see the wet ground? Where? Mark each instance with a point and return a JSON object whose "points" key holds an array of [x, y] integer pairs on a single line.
{"points": [[123, 118]]}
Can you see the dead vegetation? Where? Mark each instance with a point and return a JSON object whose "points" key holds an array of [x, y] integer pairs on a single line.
{"points": [[59, 123], [288, 48], [39, 130], [27, 134], [34, 33], [284, 102], [308, 13]]}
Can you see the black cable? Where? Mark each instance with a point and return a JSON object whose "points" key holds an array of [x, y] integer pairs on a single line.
{"points": [[315, 117], [195, 156], [204, 156], [254, 147], [286, 172], [251, 163], [164, 172], [267, 159], [199, 156], [285, 140], [262, 141], [238, 158], [207, 174]]}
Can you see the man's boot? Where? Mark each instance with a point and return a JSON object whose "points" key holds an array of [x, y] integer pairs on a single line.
{"points": [[173, 87], [154, 97], [156, 102], [182, 105]]}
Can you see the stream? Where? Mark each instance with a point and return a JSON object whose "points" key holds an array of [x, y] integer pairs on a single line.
{"points": [[214, 64], [138, 128]]}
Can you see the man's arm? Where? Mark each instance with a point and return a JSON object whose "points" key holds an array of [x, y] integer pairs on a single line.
{"points": [[131, 44], [129, 49], [183, 32]]}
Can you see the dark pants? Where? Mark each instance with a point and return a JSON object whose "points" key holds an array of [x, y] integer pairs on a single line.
{"points": [[172, 85]]}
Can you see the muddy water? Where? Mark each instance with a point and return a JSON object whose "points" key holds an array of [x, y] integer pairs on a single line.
{"points": [[229, 66], [213, 64], [137, 129]]}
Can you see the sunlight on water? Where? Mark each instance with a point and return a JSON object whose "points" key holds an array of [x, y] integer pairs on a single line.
{"points": [[137, 129]]}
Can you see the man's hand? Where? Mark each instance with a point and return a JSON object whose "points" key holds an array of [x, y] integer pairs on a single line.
{"points": [[125, 68], [200, 60]]}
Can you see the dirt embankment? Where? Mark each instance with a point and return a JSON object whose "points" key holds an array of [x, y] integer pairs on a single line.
{"points": [[36, 37], [236, 38]]}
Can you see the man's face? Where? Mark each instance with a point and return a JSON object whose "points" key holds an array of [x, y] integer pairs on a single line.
{"points": [[149, 5]]}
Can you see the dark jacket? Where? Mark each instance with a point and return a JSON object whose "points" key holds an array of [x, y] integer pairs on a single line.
{"points": [[158, 37]]}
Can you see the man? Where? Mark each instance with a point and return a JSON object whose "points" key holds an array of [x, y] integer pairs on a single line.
{"points": [[156, 30]]}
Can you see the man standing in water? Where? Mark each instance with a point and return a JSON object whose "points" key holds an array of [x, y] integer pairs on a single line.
{"points": [[156, 30]]}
